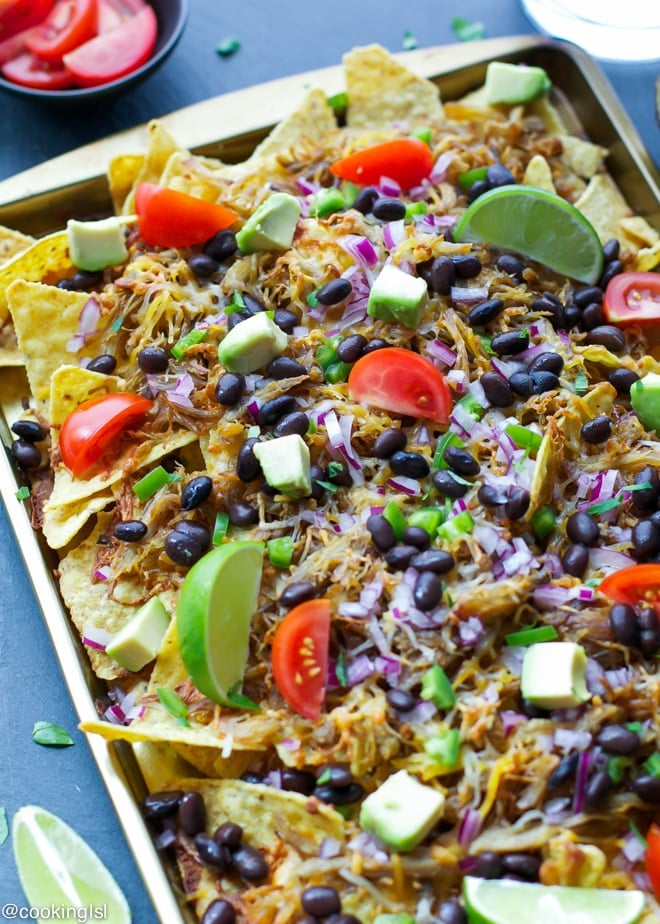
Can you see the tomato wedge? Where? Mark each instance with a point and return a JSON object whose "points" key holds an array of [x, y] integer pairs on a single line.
{"points": [[638, 585], [112, 13], [96, 425], [652, 857], [30, 71], [69, 24], [169, 218], [115, 53], [300, 657], [632, 298], [406, 160], [14, 46], [18, 15], [399, 380]]}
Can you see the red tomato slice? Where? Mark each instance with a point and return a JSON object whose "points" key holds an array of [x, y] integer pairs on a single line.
{"points": [[29, 71], [652, 857], [169, 218], [406, 160], [113, 54], [14, 46], [300, 657], [97, 424], [70, 23], [632, 298], [18, 15], [399, 380], [112, 13], [638, 585]]}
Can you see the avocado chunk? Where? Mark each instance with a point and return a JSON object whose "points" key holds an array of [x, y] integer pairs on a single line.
{"points": [[645, 400], [553, 675], [252, 344], [510, 84], [271, 226], [397, 296], [140, 640], [402, 811], [93, 245], [286, 464]]}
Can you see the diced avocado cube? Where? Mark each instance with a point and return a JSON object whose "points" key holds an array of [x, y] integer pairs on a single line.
{"points": [[140, 640], [397, 296], [511, 84], [93, 245], [645, 400], [402, 811], [252, 344], [285, 463], [271, 226], [553, 675]]}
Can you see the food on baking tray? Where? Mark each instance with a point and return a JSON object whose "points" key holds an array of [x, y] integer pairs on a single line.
{"points": [[390, 489]]}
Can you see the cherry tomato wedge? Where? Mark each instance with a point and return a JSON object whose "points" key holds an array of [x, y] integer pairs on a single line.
{"points": [[18, 15], [406, 160], [30, 71], [69, 24], [399, 380], [652, 857], [96, 426], [632, 298], [14, 46], [169, 218], [115, 53], [112, 13], [300, 657], [638, 585]]}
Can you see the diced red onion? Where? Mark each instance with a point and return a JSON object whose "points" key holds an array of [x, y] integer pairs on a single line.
{"points": [[393, 233], [550, 596], [307, 187], [102, 573], [470, 827], [179, 395], [439, 170], [96, 638], [389, 186], [470, 631], [511, 720], [359, 669], [593, 676], [329, 848], [352, 609], [88, 319], [467, 865], [422, 712], [585, 594], [459, 380], [608, 559], [388, 666], [361, 249], [532, 352], [503, 368], [165, 839], [571, 739], [346, 425], [462, 419], [469, 293], [371, 593], [368, 846], [115, 715], [274, 778], [633, 848], [440, 353], [406, 485], [291, 744], [620, 677], [642, 880], [487, 536], [581, 776]]}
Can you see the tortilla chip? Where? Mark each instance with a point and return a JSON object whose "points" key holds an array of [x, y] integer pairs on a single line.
{"points": [[45, 260], [539, 174], [639, 231], [71, 385], [122, 173], [382, 91], [551, 117], [12, 243], [648, 258], [604, 206], [313, 119], [160, 148], [582, 157]]}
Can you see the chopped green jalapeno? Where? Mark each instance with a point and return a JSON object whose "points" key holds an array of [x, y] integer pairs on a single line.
{"points": [[192, 338], [523, 437], [531, 636], [326, 201], [444, 748], [436, 687], [220, 527], [152, 482], [429, 518], [395, 518], [280, 551], [456, 527]]}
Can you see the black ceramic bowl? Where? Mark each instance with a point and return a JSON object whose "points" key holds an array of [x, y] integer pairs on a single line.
{"points": [[171, 15]]}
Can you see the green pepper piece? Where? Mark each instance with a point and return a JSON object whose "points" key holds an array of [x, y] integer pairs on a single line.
{"points": [[436, 687], [456, 527], [523, 437], [280, 551], [531, 636], [326, 353], [220, 528], [429, 518], [416, 208], [193, 337], [472, 406], [153, 481], [423, 132], [337, 372], [652, 764], [395, 518], [617, 767], [467, 179], [444, 748], [326, 201], [543, 521]]}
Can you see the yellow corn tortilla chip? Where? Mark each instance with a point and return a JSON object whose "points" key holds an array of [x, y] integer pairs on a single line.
{"points": [[122, 173], [12, 243], [44, 261], [582, 157], [604, 206], [71, 385], [648, 258], [551, 117], [183, 174], [539, 174], [161, 146], [313, 118], [640, 231], [382, 91]]}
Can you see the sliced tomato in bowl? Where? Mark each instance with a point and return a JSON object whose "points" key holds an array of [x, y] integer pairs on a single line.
{"points": [[18, 15], [300, 657], [28, 70], [112, 13], [69, 24]]}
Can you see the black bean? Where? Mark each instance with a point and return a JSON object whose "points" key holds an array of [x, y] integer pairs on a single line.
{"points": [[467, 265], [622, 379], [162, 804], [510, 342], [401, 700], [585, 295], [564, 771], [398, 557], [229, 389], [522, 384], [295, 422], [598, 787], [195, 530], [339, 795], [525, 865], [381, 532], [388, 208], [645, 539], [623, 622], [388, 442], [613, 268], [365, 199], [336, 775], [351, 348], [247, 464], [253, 304], [548, 303], [581, 527], [81, 280], [334, 291], [498, 392], [410, 464], [593, 316], [271, 411], [572, 317], [488, 865], [427, 592], [511, 265], [612, 338], [29, 430], [477, 189], [195, 492], [105, 364], [461, 461], [242, 514], [183, 549], [236, 317], [320, 901], [283, 367], [611, 250], [547, 362], [297, 592], [192, 813], [442, 275], [647, 498], [249, 863], [531, 710], [485, 312], [298, 781], [285, 319], [436, 560], [517, 503], [575, 560], [339, 473], [377, 343], [648, 619], [452, 912], [26, 454], [220, 911], [152, 360], [617, 739], [543, 381], [649, 642], [203, 265], [210, 851], [229, 833], [130, 531], [498, 175], [445, 483], [491, 496], [416, 536], [221, 246], [596, 430], [647, 788]]}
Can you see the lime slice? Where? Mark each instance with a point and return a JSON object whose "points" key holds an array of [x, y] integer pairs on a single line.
{"points": [[504, 901], [537, 224], [57, 869], [216, 603]]}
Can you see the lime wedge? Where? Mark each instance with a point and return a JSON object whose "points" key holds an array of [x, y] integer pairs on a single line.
{"points": [[216, 603], [57, 869], [537, 224], [504, 901]]}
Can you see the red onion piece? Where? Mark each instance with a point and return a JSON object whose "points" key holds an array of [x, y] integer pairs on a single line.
{"points": [[469, 293], [470, 826], [96, 638]]}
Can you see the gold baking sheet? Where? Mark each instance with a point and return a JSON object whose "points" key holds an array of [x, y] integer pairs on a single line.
{"points": [[40, 200]]}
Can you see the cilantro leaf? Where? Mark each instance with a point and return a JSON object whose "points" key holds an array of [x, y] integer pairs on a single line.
{"points": [[409, 40], [227, 46], [51, 736], [466, 31]]}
